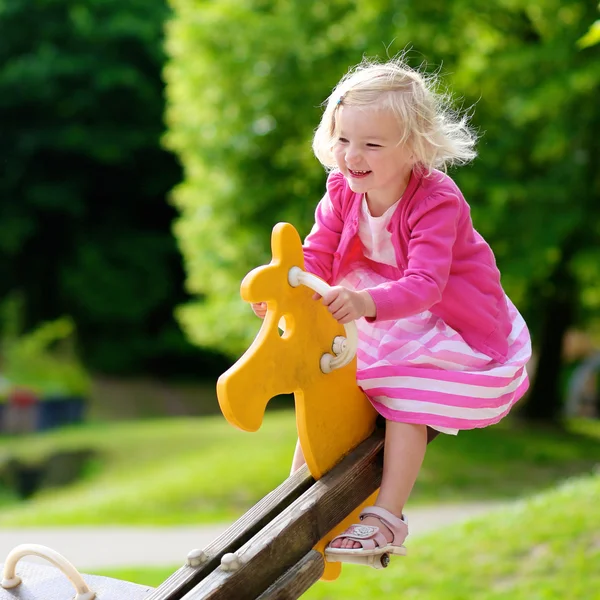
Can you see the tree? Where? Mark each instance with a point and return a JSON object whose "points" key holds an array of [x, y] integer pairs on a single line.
{"points": [[539, 205], [84, 222], [241, 115]]}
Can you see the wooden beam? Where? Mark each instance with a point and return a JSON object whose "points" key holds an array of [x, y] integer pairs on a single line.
{"points": [[290, 536], [295, 581], [201, 564]]}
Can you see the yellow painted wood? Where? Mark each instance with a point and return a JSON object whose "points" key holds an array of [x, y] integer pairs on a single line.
{"points": [[332, 414], [333, 570]]}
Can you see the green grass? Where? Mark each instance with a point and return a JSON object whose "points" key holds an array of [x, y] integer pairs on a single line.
{"points": [[506, 461], [544, 548], [150, 576], [158, 472], [200, 470]]}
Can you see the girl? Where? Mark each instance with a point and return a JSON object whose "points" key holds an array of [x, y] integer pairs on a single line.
{"points": [[441, 347]]}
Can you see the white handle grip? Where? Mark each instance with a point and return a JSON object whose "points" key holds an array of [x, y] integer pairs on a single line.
{"points": [[344, 348], [11, 580]]}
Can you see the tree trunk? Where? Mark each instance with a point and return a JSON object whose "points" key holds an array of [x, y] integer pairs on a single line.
{"points": [[544, 402]]}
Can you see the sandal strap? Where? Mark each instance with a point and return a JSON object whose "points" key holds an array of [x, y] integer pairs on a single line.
{"points": [[368, 536], [398, 527]]}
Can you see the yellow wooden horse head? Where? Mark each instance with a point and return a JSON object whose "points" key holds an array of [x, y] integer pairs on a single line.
{"points": [[332, 414]]}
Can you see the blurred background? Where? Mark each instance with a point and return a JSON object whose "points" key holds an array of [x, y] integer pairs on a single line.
{"points": [[147, 148]]}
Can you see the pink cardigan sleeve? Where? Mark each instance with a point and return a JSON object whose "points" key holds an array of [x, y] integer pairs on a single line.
{"points": [[433, 227], [324, 238]]}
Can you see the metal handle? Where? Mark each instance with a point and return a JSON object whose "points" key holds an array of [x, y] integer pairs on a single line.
{"points": [[11, 580], [344, 349]]}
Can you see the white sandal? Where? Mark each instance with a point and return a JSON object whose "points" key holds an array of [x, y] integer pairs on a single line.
{"points": [[372, 541]]}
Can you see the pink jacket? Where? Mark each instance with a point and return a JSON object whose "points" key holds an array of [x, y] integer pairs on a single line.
{"points": [[445, 266]]}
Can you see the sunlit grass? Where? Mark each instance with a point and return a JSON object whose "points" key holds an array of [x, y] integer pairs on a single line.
{"points": [[160, 472], [200, 470], [543, 548]]}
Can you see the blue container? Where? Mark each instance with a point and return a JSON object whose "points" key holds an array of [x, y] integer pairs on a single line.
{"points": [[57, 411], [76, 409]]}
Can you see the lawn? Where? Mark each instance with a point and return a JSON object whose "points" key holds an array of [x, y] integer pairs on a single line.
{"points": [[201, 470], [167, 471], [544, 548]]}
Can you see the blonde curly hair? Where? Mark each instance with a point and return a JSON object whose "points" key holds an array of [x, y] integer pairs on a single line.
{"points": [[437, 135]]}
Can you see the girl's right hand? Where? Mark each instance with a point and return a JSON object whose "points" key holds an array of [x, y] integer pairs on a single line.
{"points": [[260, 309]]}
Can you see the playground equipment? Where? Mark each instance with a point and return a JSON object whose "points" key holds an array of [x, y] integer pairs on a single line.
{"points": [[582, 390], [275, 550]]}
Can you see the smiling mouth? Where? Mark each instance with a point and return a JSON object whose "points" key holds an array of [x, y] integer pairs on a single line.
{"points": [[358, 173]]}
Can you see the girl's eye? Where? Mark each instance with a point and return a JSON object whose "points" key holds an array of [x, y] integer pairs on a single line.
{"points": [[342, 140], [374, 146]]}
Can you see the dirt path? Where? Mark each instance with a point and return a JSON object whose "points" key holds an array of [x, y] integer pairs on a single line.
{"points": [[95, 548]]}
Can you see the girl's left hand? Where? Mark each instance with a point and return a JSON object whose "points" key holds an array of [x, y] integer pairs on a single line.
{"points": [[346, 305]]}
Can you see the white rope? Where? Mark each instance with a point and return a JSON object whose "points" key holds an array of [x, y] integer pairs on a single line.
{"points": [[343, 349]]}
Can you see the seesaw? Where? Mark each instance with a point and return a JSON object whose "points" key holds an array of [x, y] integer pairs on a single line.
{"points": [[276, 549]]}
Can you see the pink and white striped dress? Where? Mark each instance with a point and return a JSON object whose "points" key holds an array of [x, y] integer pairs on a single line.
{"points": [[420, 370]]}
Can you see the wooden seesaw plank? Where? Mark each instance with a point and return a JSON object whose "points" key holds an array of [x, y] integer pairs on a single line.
{"points": [[185, 578], [284, 542], [295, 581]]}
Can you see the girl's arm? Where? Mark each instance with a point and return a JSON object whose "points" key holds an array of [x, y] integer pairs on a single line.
{"points": [[433, 233], [324, 238]]}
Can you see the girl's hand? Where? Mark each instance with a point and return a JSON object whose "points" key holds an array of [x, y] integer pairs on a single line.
{"points": [[260, 309], [346, 305]]}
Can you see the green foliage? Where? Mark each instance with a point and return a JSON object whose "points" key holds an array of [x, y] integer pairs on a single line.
{"points": [[245, 145], [44, 359], [535, 180], [592, 37], [245, 81], [84, 224]]}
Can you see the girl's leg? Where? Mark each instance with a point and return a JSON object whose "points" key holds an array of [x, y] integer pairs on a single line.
{"points": [[403, 455], [298, 459]]}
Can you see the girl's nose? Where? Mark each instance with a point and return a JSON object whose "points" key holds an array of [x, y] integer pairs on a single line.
{"points": [[352, 154]]}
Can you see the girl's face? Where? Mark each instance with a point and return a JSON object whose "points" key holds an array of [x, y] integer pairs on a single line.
{"points": [[368, 153]]}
